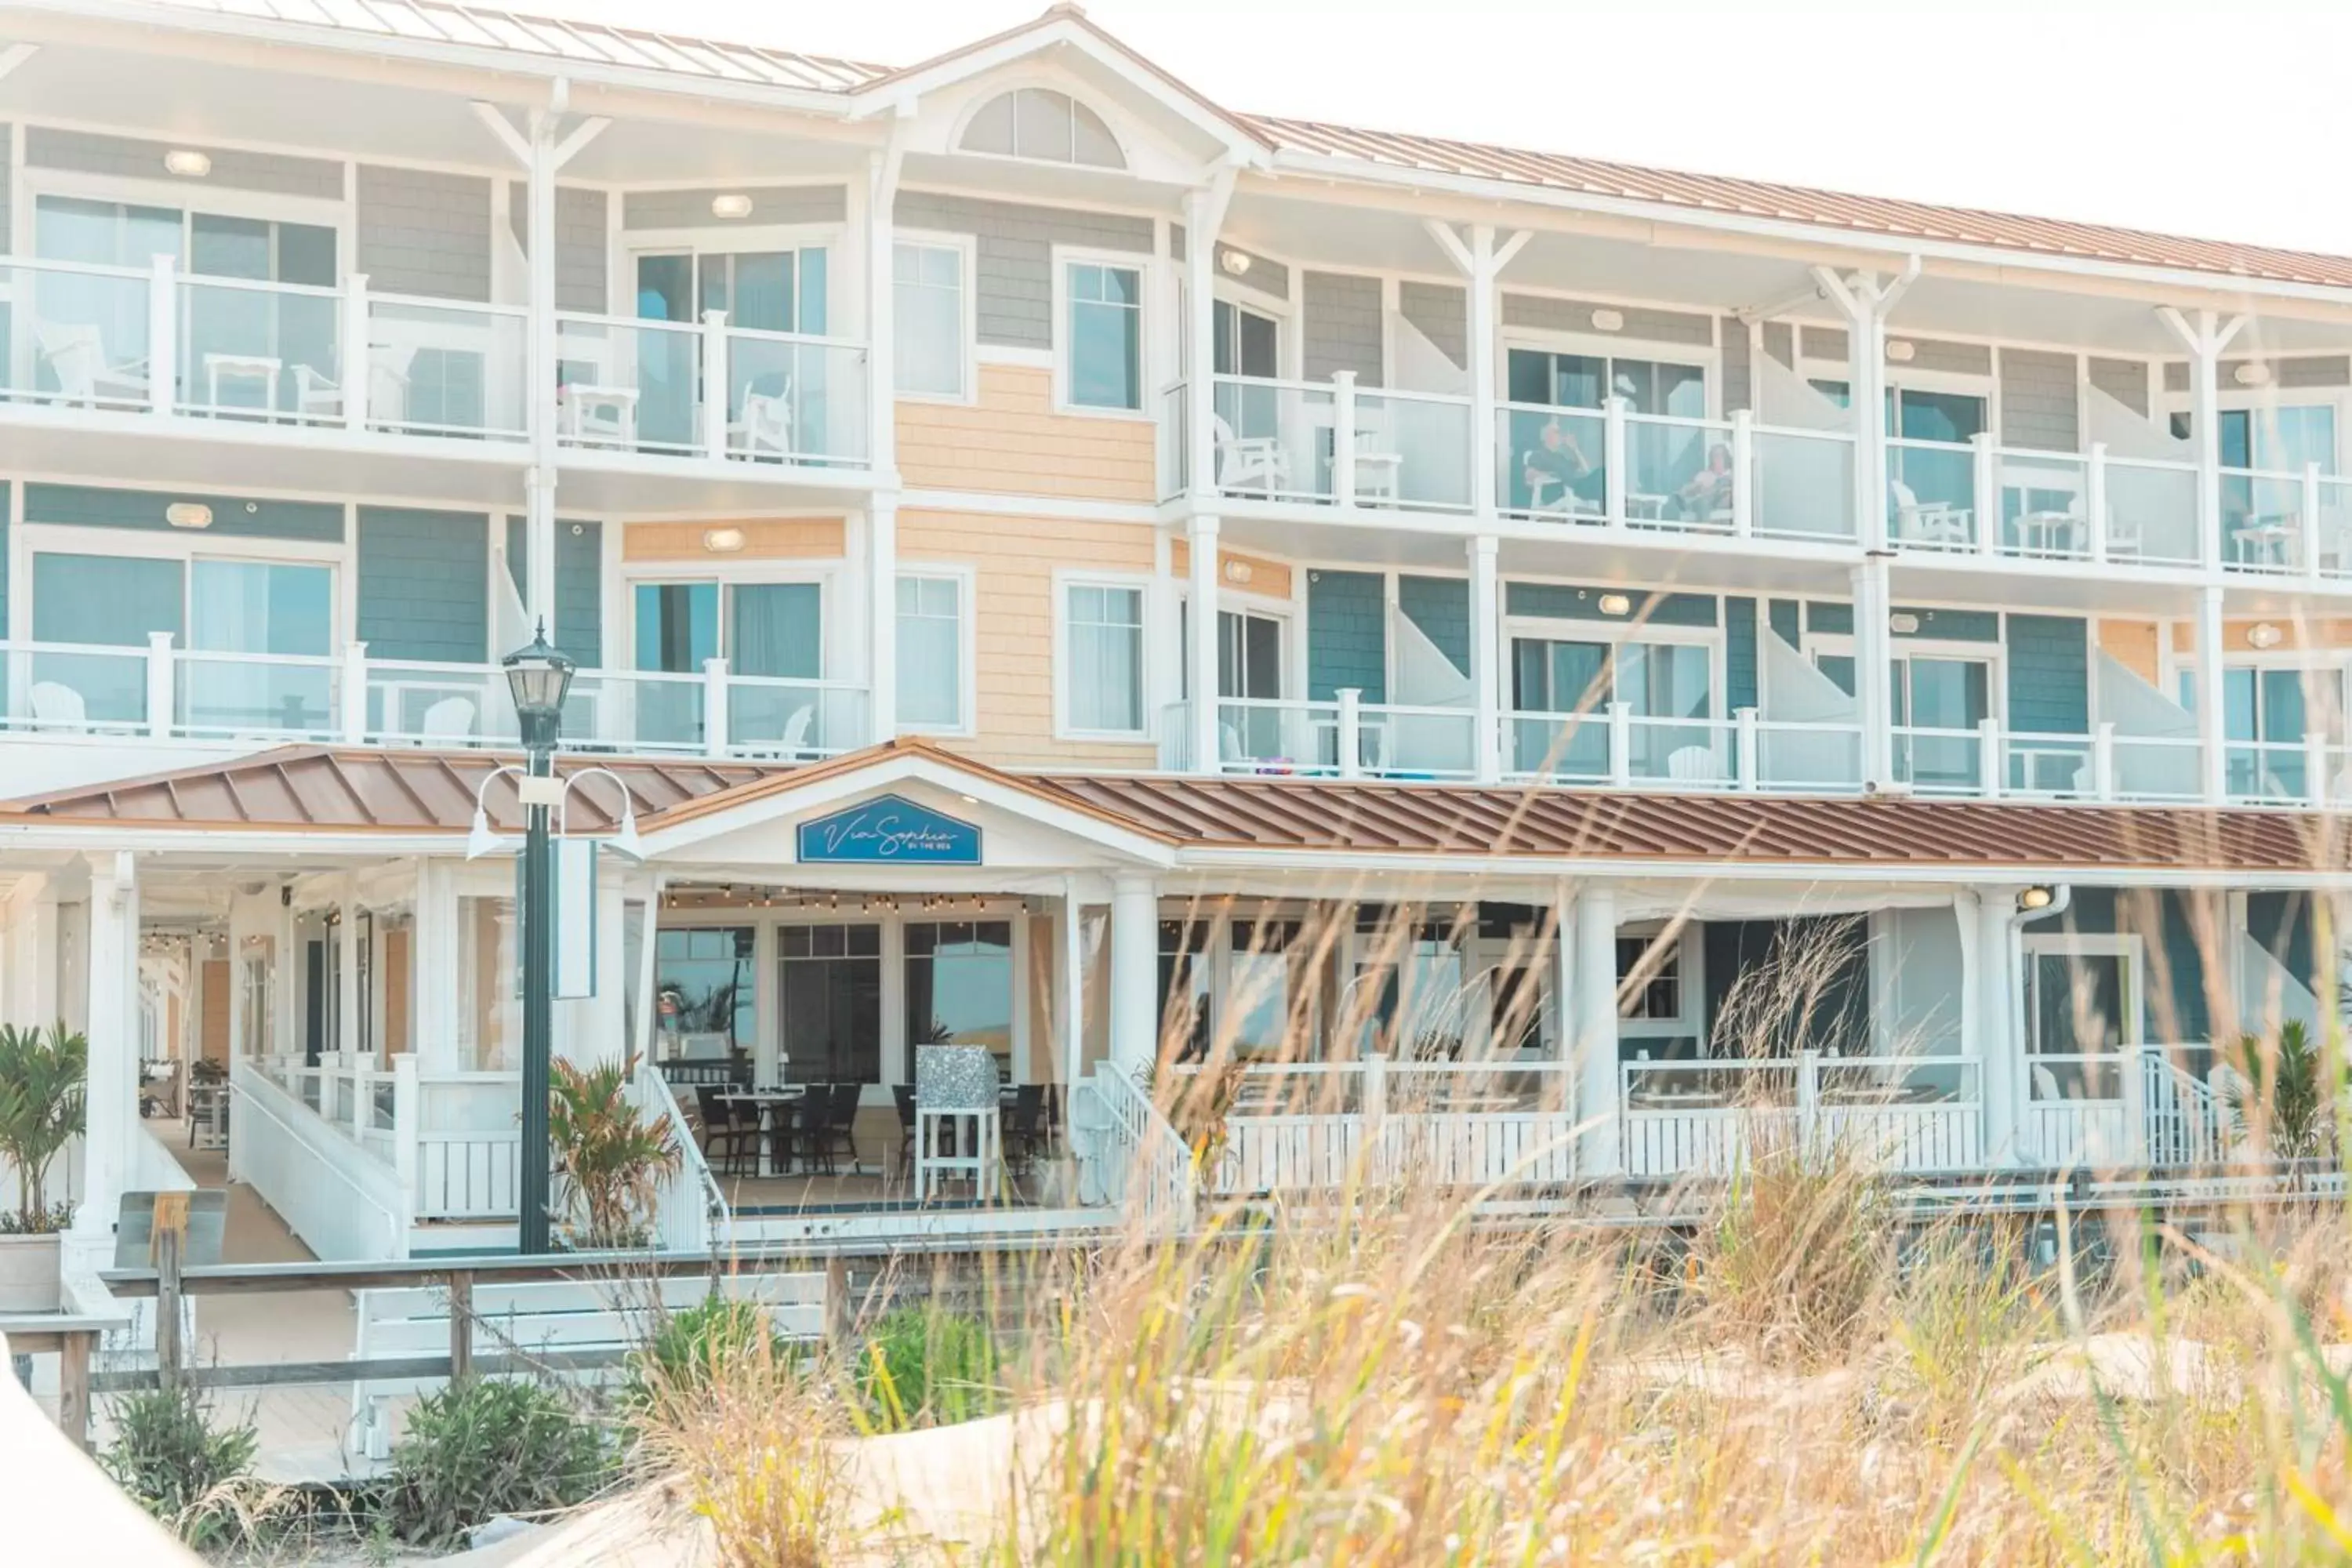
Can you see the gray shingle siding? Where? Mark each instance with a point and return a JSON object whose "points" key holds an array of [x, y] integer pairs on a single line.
{"points": [[579, 584], [1439, 607], [2038, 400], [1347, 635], [1781, 342], [423, 232], [1823, 342], [424, 584], [769, 205], [1342, 331], [1739, 388], [2125, 380], [2295, 370], [1015, 248], [1832, 617], [2049, 674], [1948, 359], [581, 246], [1738, 655], [1439, 312], [92, 506], [1548, 314], [90, 152]]}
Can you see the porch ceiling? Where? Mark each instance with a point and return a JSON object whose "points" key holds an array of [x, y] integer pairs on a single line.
{"points": [[324, 791]]}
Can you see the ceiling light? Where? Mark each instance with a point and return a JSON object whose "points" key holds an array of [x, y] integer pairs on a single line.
{"points": [[187, 163], [722, 540], [2264, 633], [188, 514], [1236, 262], [732, 204], [1903, 622], [2251, 373], [1605, 320], [1615, 605], [2034, 899]]}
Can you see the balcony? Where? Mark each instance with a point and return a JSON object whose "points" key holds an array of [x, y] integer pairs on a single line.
{"points": [[161, 692], [1982, 499], [1342, 738], [1327, 444], [1611, 747], [639, 386]]}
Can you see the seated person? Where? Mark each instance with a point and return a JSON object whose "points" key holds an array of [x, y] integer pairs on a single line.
{"points": [[1556, 463], [1709, 490]]}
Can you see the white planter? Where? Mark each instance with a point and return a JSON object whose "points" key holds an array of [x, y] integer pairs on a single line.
{"points": [[29, 1274]]}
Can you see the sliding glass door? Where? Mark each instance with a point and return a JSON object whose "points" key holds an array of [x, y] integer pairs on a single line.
{"points": [[1951, 696], [771, 632], [762, 291], [1667, 688]]}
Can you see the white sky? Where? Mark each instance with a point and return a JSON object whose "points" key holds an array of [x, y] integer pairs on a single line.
{"points": [[2219, 121]]}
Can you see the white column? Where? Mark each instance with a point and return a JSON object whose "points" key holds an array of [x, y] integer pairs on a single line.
{"points": [[1865, 302], [1481, 264], [1992, 1013], [1486, 656], [2205, 335], [433, 965], [881, 319], [1134, 973], [347, 979], [2213, 734], [111, 1024], [538, 529], [1069, 991], [882, 618], [1204, 215], [1202, 539], [1592, 998], [1872, 678]]}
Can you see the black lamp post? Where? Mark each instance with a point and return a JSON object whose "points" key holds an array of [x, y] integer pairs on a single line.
{"points": [[539, 677]]}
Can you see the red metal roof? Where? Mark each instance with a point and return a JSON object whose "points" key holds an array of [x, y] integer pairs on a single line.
{"points": [[319, 789]]}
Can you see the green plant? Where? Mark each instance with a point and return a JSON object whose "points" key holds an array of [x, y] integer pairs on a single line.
{"points": [[168, 1456], [700, 1345], [481, 1447], [925, 1367], [611, 1160], [41, 1109], [2281, 1094]]}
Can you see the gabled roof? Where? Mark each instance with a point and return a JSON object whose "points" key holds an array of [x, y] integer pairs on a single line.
{"points": [[324, 790], [1334, 148]]}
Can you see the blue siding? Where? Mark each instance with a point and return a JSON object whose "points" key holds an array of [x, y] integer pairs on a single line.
{"points": [[1836, 619], [1786, 616], [1829, 619], [2282, 924], [1439, 607], [1347, 635], [2172, 983], [424, 584], [1739, 653], [579, 584], [2049, 674], [88, 506], [1556, 602]]}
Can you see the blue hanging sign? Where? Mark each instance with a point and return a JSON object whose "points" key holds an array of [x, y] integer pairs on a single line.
{"points": [[888, 829]]}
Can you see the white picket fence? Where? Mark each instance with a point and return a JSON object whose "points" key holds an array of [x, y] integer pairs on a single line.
{"points": [[343, 1202], [1705, 1118]]}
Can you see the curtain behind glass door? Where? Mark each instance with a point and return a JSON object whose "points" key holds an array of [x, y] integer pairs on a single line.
{"points": [[257, 607], [667, 361], [1550, 677], [1948, 694], [103, 601], [676, 629], [776, 630]]}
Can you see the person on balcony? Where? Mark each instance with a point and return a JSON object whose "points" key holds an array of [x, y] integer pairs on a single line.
{"points": [[1709, 491], [1556, 465]]}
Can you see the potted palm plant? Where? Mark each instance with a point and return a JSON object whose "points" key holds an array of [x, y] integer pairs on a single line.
{"points": [[41, 1110], [2284, 1094], [609, 1159]]}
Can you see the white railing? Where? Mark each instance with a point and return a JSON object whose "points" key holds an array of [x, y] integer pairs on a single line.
{"points": [[457, 1148], [85, 337], [635, 384], [689, 1211], [435, 367], [1348, 738], [794, 399], [2077, 1109], [1980, 498], [257, 696], [259, 350], [1144, 1167], [1707, 1117], [2187, 1123], [1613, 747], [1329, 442], [343, 1202]]}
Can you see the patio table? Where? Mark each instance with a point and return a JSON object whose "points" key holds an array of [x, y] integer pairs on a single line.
{"points": [[763, 1101]]}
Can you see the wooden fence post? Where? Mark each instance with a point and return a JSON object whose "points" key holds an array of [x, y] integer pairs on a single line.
{"points": [[170, 1229], [461, 1325]]}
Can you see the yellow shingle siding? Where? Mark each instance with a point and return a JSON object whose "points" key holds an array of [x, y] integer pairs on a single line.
{"points": [[764, 539], [1014, 559], [1012, 442]]}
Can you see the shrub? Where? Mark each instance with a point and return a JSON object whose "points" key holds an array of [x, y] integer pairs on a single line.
{"points": [[700, 1345], [41, 1110], [2282, 1095], [611, 1160], [924, 1367], [170, 1457], [478, 1449]]}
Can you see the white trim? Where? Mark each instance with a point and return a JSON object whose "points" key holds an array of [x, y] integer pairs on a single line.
{"points": [[1064, 579], [967, 252], [988, 503], [1063, 258], [721, 573], [2131, 948], [1037, 82], [1013, 354], [966, 580]]}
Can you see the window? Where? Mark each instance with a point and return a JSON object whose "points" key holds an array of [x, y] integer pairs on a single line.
{"points": [[1184, 983], [703, 997], [1660, 995], [771, 630], [829, 978], [1261, 984], [1565, 452], [931, 652], [1039, 122], [1103, 346], [762, 292], [928, 311], [1102, 664], [960, 988]]}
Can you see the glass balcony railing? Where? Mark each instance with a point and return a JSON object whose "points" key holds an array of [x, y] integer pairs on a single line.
{"points": [[256, 349]]}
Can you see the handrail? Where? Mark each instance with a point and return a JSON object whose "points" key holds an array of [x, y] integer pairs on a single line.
{"points": [[262, 1097], [654, 1097], [1143, 1140]]}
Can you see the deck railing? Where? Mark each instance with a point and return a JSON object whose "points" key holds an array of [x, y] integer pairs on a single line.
{"points": [[1707, 1117], [1141, 1165], [710, 389]]}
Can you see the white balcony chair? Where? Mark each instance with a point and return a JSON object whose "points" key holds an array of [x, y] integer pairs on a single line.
{"points": [[1541, 484], [1250, 462], [77, 356], [1693, 764], [2045, 1085], [58, 707], [766, 424], [451, 718], [319, 398], [1379, 475], [1928, 522]]}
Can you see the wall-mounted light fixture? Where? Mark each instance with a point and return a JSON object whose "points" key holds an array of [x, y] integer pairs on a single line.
{"points": [[2253, 373], [1239, 572], [1903, 623], [1607, 321], [1616, 605], [2264, 635], [187, 163], [722, 540], [1900, 350], [188, 514], [731, 204], [2035, 899], [1236, 262]]}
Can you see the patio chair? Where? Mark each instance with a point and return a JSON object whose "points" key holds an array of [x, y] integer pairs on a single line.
{"points": [[77, 356], [841, 1124], [451, 718], [319, 396], [726, 1138], [1249, 462], [902, 1096], [1693, 764], [58, 707], [1541, 482], [766, 423], [794, 1128], [2045, 1084], [1024, 1125], [1928, 522]]}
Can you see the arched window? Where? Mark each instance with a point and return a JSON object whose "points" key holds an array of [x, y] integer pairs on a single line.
{"points": [[1039, 122]]}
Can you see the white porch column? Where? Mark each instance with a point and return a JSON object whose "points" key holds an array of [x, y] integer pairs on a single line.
{"points": [[1069, 985], [1481, 264], [882, 619], [111, 1026], [1593, 1003], [347, 977], [881, 306], [1204, 215], [31, 971], [433, 970], [1201, 681], [2212, 732], [589, 1029], [1485, 655], [2205, 334], [1872, 674], [1134, 973], [1992, 1016], [1865, 302]]}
